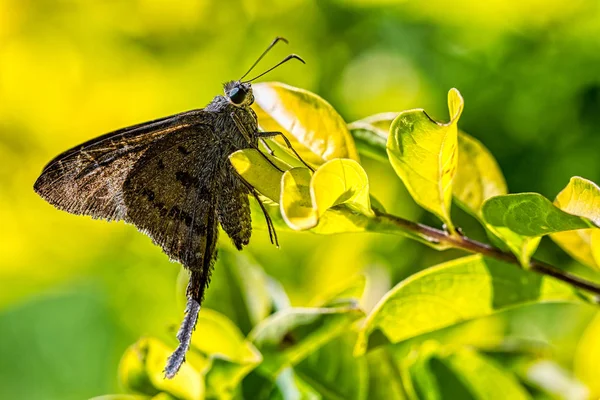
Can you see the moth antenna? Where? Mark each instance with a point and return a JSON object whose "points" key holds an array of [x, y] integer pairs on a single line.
{"points": [[273, 43], [288, 58]]}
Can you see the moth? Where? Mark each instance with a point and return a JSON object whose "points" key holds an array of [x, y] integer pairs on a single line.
{"points": [[172, 179]]}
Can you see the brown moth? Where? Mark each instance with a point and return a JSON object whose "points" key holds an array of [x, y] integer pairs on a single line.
{"points": [[172, 179]]}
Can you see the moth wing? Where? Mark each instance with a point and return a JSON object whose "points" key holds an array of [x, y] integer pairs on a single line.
{"points": [[88, 178], [171, 194], [233, 208]]}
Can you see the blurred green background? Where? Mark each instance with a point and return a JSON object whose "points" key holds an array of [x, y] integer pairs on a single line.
{"points": [[74, 292]]}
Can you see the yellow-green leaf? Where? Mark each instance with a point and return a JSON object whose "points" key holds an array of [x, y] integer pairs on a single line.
{"points": [[290, 386], [120, 397], [232, 355], [521, 246], [384, 381], [334, 372], [522, 219], [164, 396], [424, 154], [257, 171], [296, 203], [216, 335], [307, 200], [478, 176], [348, 291], [484, 378], [290, 335], [587, 354], [239, 290], [370, 134], [581, 197], [456, 291], [582, 244], [141, 371], [340, 181], [317, 132], [427, 370]]}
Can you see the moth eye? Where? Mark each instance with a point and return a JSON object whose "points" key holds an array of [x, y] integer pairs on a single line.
{"points": [[236, 95]]}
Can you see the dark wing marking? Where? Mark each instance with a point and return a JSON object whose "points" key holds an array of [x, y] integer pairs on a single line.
{"points": [[233, 208], [170, 194], [88, 178]]}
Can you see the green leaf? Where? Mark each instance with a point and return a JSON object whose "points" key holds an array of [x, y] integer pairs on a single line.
{"points": [[348, 291], [452, 292], [160, 396], [371, 134], [530, 214], [522, 219], [334, 373], [384, 376], [289, 336], [521, 246], [279, 297], [316, 131], [580, 197], [239, 289], [486, 334], [424, 155], [433, 371], [164, 396], [550, 378], [419, 378], [587, 354], [483, 377], [289, 386], [477, 179], [233, 357], [120, 397], [306, 199], [141, 371], [478, 176]]}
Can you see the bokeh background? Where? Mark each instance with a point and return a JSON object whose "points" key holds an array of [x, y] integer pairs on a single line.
{"points": [[74, 292]]}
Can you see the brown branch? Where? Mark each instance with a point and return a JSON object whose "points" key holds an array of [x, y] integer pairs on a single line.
{"points": [[443, 240]]}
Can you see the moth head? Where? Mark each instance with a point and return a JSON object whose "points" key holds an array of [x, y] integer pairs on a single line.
{"points": [[239, 93]]}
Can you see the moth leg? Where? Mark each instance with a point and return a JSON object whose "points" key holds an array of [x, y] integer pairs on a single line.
{"points": [[270, 225], [266, 135], [244, 132], [184, 335], [269, 149]]}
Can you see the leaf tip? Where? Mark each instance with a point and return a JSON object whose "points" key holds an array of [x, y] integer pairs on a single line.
{"points": [[455, 104]]}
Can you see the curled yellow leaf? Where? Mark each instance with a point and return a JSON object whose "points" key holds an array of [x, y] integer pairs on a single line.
{"points": [[580, 197], [315, 129], [295, 204], [308, 200]]}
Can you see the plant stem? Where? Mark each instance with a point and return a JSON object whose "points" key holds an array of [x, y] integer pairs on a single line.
{"points": [[444, 240]]}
